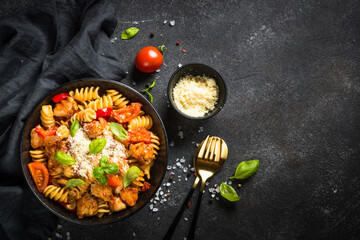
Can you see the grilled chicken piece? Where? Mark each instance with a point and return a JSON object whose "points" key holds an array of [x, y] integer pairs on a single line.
{"points": [[129, 195], [65, 108], [86, 206], [36, 140], [142, 152], [100, 191], [116, 204], [93, 129]]}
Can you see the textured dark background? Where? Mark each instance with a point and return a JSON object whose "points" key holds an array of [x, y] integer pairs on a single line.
{"points": [[292, 71]]}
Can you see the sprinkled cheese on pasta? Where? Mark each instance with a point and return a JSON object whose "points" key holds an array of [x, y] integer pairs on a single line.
{"points": [[196, 95], [79, 150]]}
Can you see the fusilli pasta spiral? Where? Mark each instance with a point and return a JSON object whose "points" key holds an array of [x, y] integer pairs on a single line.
{"points": [[63, 132], [37, 155], [155, 143], [117, 98], [103, 102], [47, 116], [56, 193], [103, 207], [85, 94], [86, 115], [141, 121]]}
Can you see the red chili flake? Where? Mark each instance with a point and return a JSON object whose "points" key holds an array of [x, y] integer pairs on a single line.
{"points": [[217, 186], [184, 50], [188, 204], [177, 43], [169, 174]]}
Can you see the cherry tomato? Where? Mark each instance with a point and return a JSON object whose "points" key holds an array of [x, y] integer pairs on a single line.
{"points": [[139, 135], [149, 59], [40, 175], [146, 186], [103, 112], [60, 97], [45, 133], [114, 181], [127, 113]]}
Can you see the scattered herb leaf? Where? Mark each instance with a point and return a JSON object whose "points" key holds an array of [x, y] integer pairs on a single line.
{"points": [[246, 169], [97, 145], [162, 48], [74, 182], [129, 33], [118, 130], [74, 127], [228, 192], [63, 158], [105, 167], [131, 175], [150, 87]]}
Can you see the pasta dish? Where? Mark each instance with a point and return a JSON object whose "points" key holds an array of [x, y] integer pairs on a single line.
{"points": [[92, 153]]}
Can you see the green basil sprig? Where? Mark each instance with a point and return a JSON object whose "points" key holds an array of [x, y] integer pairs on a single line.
{"points": [[74, 128], [246, 169], [228, 192], [118, 130], [105, 167], [74, 182], [97, 145], [129, 33], [131, 175], [63, 158], [146, 90]]}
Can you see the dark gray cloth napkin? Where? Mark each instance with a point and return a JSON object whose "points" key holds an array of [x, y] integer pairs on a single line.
{"points": [[42, 48]]}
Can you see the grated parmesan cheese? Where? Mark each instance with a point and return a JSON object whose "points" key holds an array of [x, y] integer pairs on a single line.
{"points": [[79, 150], [196, 95]]}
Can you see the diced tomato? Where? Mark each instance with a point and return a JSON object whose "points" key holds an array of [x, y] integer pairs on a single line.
{"points": [[103, 112], [146, 186], [139, 135], [114, 181], [103, 121], [65, 206], [40, 175], [60, 97], [45, 133], [127, 113]]}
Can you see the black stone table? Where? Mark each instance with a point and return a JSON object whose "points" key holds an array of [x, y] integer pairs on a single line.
{"points": [[292, 71]]}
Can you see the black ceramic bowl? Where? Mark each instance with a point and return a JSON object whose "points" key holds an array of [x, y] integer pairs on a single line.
{"points": [[157, 171], [198, 69]]}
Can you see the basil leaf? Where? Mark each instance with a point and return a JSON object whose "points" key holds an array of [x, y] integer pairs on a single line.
{"points": [[228, 192], [118, 130], [150, 97], [63, 158], [74, 127], [150, 87], [246, 169], [103, 161], [131, 175], [111, 169], [97, 145], [103, 179], [98, 172], [129, 33], [74, 182]]}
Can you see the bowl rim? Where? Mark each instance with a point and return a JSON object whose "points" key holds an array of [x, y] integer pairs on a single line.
{"points": [[174, 105], [78, 221]]}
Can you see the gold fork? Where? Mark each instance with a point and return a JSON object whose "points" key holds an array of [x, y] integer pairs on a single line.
{"points": [[209, 159], [211, 148]]}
